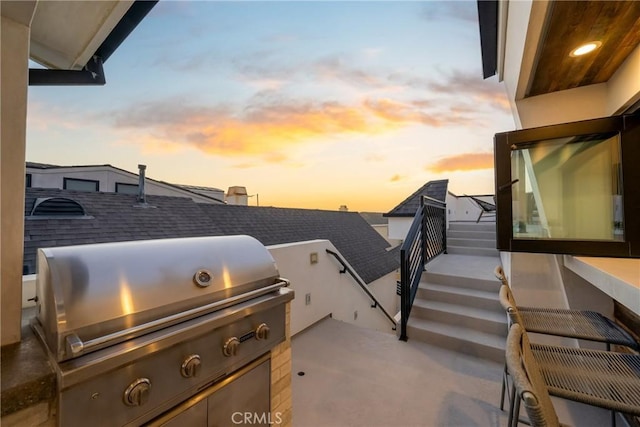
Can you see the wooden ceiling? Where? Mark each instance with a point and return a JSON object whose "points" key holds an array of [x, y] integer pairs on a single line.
{"points": [[571, 23]]}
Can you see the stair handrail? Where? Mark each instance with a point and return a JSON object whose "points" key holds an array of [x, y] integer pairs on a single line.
{"points": [[347, 269], [426, 239]]}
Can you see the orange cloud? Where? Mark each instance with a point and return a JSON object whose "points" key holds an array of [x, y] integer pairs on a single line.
{"points": [[269, 127], [396, 178], [463, 162]]}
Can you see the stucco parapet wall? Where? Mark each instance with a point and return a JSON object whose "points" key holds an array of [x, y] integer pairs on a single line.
{"points": [[617, 277]]}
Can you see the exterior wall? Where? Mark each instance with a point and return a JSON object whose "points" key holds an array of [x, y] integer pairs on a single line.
{"points": [[565, 106], [624, 86], [15, 33], [518, 16], [108, 177], [331, 293], [399, 227], [536, 281], [54, 178]]}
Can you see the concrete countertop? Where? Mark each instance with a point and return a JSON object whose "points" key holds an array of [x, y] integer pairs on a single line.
{"points": [[26, 377], [617, 277]]}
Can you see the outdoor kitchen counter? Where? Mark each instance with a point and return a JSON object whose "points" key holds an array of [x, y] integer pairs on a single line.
{"points": [[27, 377], [617, 277]]}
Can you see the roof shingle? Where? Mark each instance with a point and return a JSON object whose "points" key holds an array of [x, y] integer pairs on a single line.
{"points": [[118, 217], [408, 207]]}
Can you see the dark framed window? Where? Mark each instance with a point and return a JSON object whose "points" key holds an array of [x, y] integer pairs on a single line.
{"points": [[81, 184], [124, 188], [570, 188], [28, 180]]}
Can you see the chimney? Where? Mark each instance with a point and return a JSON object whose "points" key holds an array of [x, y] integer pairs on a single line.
{"points": [[141, 195], [343, 208], [237, 195]]}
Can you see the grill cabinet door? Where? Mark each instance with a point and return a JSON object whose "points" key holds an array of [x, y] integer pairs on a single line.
{"points": [[244, 401]]}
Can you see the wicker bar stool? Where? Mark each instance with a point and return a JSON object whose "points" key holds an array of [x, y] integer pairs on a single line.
{"points": [[529, 385], [585, 325], [580, 324], [606, 379]]}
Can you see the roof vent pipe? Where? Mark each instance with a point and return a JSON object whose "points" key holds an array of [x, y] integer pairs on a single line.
{"points": [[141, 195]]}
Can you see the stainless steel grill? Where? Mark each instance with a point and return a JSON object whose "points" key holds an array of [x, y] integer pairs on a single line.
{"points": [[135, 329]]}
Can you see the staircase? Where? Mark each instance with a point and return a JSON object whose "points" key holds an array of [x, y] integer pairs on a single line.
{"points": [[457, 304], [470, 238]]}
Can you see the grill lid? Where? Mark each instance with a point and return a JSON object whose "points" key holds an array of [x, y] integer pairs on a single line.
{"points": [[93, 296]]}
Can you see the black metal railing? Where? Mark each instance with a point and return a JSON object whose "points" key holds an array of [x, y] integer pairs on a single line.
{"points": [[375, 303], [426, 239]]}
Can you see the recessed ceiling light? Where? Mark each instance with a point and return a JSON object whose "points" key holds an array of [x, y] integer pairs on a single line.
{"points": [[585, 48]]}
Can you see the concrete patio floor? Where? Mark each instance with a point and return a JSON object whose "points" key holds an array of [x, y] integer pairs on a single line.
{"points": [[360, 377]]}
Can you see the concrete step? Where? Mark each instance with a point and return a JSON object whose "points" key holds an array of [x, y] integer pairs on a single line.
{"points": [[488, 285], [456, 338], [472, 243], [471, 234], [487, 300], [476, 319], [462, 250], [472, 226]]}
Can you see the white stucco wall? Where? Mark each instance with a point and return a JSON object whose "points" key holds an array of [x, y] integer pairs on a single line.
{"points": [[14, 30], [331, 293], [399, 227]]}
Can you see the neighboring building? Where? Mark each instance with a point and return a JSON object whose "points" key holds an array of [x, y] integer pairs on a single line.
{"points": [[401, 217], [110, 179], [76, 217]]}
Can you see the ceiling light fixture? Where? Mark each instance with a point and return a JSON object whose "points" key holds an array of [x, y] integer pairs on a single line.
{"points": [[585, 48]]}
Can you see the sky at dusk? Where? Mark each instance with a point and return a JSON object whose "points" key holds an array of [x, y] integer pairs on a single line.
{"points": [[308, 104]]}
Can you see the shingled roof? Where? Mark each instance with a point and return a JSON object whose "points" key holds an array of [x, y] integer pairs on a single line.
{"points": [[408, 207], [112, 217]]}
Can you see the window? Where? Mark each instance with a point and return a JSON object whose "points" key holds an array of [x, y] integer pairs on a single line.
{"points": [[28, 181], [126, 188], [570, 188], [81, 184]]}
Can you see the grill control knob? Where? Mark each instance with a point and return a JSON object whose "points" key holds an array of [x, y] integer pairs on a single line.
{"points": [[137, 393], [190, 366], [230, 347], [262, 332]]}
